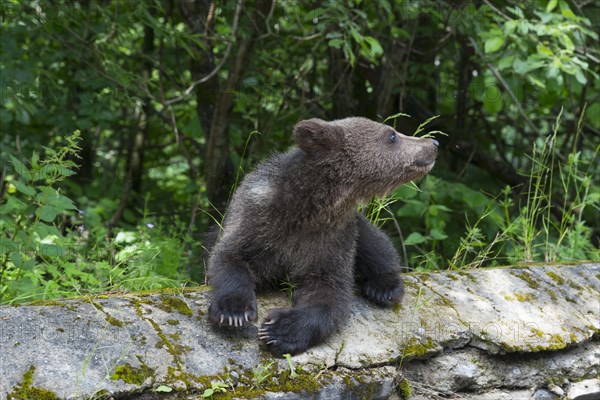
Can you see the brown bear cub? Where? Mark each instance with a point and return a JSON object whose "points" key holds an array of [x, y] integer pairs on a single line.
{"points": [[294, 219]]}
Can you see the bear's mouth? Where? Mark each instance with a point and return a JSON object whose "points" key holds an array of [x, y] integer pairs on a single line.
{"points": [[426, 162]]}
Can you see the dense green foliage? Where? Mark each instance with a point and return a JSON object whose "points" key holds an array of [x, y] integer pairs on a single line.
{"points": [[126, 125]]}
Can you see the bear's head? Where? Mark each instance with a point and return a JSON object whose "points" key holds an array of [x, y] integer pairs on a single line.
{"points": [[371, 157]]}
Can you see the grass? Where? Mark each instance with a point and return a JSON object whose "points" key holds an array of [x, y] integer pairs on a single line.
{"points": [[546, 224]]}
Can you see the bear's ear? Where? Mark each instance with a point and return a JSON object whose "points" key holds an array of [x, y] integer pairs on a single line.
{"points": [[315, 134]]}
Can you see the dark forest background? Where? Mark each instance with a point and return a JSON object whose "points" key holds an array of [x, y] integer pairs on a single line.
{"points": [[127, 124]]}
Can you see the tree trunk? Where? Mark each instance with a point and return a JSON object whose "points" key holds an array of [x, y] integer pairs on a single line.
{"points": [[218, 168]]}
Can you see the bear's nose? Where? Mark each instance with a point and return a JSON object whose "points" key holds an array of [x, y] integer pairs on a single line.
{"points": [[437, 144]]}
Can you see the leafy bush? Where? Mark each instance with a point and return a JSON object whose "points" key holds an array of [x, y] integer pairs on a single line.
{"points": [[50, 248]]}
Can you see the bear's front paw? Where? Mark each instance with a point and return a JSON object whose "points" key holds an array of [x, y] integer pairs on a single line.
{"points": [[385, 292], [233, 309], [282, 332]]}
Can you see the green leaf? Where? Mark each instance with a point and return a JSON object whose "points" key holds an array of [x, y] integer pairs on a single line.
{"points": [[505, 62], [7, 246], [50, 196], [493, 44], [336, 43], [593, 115], [23, 188], [44, 230], [16, 258], [544, 51], [20, 168], [551, 5], [47, 213], [568, 14], [164, 389], [376, 49], [50, 250], [12, 206], [438, 234], [523, 67], [567, 42], [415, 238], [492, 101]]}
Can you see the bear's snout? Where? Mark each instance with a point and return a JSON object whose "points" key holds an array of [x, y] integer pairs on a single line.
{"points": [[429, 155]]}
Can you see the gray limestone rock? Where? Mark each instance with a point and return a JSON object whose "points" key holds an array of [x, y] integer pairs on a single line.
{"points": [[481, 334]]}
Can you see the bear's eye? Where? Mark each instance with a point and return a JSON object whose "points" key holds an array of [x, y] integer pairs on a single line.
{"points": [[393, 137]]}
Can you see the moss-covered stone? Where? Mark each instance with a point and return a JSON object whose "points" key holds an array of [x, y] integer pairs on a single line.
{"points": [[524, 296], [404, 389], [416, 349], [26, 391], [132, 375], [528, 278], [170, 303], [555, 277], [109, 318]]}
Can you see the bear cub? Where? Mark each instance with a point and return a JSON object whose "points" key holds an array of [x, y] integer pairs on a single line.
{"points": [[294, 219]]}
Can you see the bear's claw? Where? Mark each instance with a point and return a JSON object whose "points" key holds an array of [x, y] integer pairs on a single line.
{"points": [[233, 310], [384, 292], [279, 332]]}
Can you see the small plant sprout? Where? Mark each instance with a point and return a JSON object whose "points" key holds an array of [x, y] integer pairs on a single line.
{"points": [[293, 373], [215, 387], [261, 373]]}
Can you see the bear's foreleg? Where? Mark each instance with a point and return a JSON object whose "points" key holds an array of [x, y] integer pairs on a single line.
{"points": [[378, 264], [234, 297], [318, 311]]}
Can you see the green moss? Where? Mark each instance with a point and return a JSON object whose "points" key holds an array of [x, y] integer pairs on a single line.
{"points": [[509, 298], [175, 336], [172, 322], [26, 391], [113, 321], [527, 278], [304, 382], [573, 338], [467, 275], [398, 308], [557, 342], [170, 303], [574, 285], [452, 276], [175, 350], [555, 277], [132, 375], [416, 349], [524, 296], [537, 332], [109, 318], [404, 389], [48, 303]]}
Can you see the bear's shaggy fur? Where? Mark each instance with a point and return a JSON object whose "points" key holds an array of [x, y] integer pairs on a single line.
{"points": [[294, 218]]}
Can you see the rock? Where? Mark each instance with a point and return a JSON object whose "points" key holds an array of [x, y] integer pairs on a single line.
{"points": [[543, 394], [588, 389], [556, 389], [481, 334]]}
